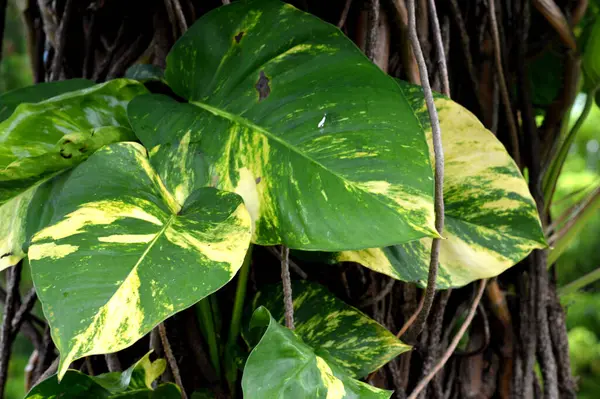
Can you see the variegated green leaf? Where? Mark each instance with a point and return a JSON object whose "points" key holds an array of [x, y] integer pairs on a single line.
{"points": [[46, 129], [121, 253], [135, 382], [339, 333], [33, 94], [43, 138], [312, 135], [145, 72], [491, 219], [281, 365]]}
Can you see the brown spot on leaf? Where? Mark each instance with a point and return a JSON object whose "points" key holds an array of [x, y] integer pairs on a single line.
{"points": [[6, 255], [65, 156], [258, 179], [239, 36], [262, 86]]}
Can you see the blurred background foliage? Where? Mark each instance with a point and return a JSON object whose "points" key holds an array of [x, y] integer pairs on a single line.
{"points": [[580, 174]]}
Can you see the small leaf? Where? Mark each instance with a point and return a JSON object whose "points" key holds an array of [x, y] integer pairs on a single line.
{"points": [[121, 254], [145, 72], [339, 333], [282, 366], [140, 375], [311, 134], [135, 382], [491, 219]]}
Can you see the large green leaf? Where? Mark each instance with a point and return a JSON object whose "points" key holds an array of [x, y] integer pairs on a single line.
{"points": [[282, 366], [135, 382], [339, 333], [314, 137], [491, 219], [121, 253], [51, 129]]}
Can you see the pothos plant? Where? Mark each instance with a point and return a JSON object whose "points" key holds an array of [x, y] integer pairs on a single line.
{"points": [[131, 206]]}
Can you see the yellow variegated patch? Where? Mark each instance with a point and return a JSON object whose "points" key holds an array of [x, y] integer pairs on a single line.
{"points": [[284, 122], [491, 219], [12, 228], [121, 252]]}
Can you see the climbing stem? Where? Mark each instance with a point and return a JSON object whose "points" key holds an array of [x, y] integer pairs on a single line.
{"points": [[205, 317]]}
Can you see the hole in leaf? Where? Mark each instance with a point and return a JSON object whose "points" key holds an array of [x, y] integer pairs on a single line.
{"points": [[262, 86], [239, 36]]}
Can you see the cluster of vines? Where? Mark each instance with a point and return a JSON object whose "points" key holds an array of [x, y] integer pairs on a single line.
{"points": [[475, 51]]}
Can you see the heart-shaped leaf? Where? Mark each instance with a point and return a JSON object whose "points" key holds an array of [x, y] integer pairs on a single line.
{"points": [[337, 332], [45, 129], [283, 366], [311, 134], [121, 253], [491, 219]]}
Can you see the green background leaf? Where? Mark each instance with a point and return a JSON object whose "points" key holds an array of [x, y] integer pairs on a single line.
{"points": [[282, 366], [311, 134], [337, 332], [120, 254], [144, 72], [491, 219], [39, 92]]}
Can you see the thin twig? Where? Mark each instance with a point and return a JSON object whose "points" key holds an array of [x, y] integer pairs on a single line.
{"points": [[29, 368], [180, 16], [172, 18], [292, 264], [288, 300], [439, 171], [486, 336], [376, 298], [62, 41], [455, 341], [510, 118], [373, 30], [46, 352], [439, 47], [49, 371], [344, 15], [12, 293], [162, 331], [412, 318], [23, 312], [466, 51], [112, 362]]}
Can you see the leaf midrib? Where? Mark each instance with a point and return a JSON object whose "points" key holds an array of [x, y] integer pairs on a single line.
{"points": [[254, 127]]}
